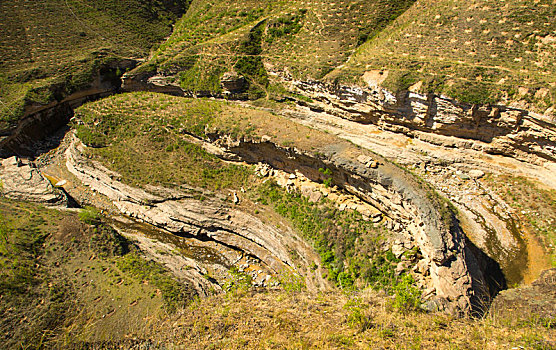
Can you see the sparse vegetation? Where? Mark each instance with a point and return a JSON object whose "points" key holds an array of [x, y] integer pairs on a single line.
{"points": [[310, 39], [536, 205], [60, 277], [349, 247], [476, 52], [70, 280]]}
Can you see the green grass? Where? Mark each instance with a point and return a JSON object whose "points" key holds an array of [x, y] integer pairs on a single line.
{"points": [[63, 281], [349, 247], [52, 48], [309, 38], [141, 136], [143, 140], [474, 51]]}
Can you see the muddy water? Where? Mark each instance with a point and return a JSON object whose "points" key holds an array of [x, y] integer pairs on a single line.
{"points": [[190, 247], [524, 263]]}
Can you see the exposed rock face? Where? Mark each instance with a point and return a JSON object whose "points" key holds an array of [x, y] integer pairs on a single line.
{"points": [[149, 81], [22, 181], [40, 121], [529, 303], [500, 130], [178, 212], [456, 270], [233, 83]]}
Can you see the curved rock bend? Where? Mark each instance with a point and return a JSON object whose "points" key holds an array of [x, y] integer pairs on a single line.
{"points": [[180, 213], [459, 277], [460, 273], [41, 121]]}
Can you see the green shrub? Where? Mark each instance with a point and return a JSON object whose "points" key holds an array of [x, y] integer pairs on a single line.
{"points": [[89, 215], [408, 297]]}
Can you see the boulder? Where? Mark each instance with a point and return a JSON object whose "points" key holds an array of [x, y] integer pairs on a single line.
{"points": [[20, 179], [476, 174], [233, 83]]}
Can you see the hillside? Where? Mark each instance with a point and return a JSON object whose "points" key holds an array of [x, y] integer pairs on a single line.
{"points": [[277, 174], [50, 49], [93, 289], [475, 51], [254, 38]]}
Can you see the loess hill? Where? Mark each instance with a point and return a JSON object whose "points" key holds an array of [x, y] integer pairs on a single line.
{"points": [[50, 49]]}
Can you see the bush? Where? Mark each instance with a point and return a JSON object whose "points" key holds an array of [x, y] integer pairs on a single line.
{"points": [[89, 215], [408, 297], [106, 242]]}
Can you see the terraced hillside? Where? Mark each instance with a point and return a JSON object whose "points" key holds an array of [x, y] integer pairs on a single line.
{"points": [[253, 38], [475, 51], [50, 49], [479, 52]]}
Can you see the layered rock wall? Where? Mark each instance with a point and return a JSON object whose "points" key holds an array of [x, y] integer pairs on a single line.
{"points": [[498, 129], [458, 272], [180, 213]]}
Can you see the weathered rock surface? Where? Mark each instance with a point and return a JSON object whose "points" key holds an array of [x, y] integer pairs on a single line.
{"points": [[178, 212], [232, 83], [498, 129], [21, 180], [530, 303], [456, 271]]}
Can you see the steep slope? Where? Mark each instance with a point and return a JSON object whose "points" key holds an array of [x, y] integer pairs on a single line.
{"points": [[51, 49], [479, 51], [252, 38]]}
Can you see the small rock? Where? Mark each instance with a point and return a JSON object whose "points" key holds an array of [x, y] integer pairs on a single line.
{"points": [[364, 159], [401, 267], [476, 174], [398, 250], [462, 175], [315, 196]]}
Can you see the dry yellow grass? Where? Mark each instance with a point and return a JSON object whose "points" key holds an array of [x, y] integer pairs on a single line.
{"points": [[300, 320]]}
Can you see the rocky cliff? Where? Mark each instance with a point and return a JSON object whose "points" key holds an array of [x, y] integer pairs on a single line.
{"points": [[491, 128], [455, 271]]}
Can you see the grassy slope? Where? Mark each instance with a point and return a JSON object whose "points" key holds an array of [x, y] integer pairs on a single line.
{"points": [[476, 51], [297, 320], [65, 281], [63, 289], [310, 38], [535, 206], [59, 41]]}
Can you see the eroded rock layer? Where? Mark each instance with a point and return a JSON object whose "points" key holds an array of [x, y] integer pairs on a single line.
{"points": [[499, 129], [20, 179]]}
